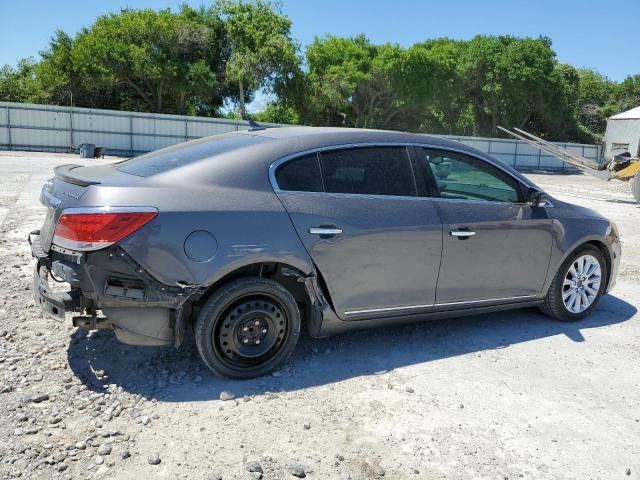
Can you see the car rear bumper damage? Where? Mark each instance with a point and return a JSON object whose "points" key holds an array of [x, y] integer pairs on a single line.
{"points": [[108, 289]]}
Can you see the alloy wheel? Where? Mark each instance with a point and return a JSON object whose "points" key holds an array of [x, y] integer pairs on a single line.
{"points": [[581, 283]]}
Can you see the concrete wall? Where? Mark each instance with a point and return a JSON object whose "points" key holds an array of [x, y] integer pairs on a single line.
{"points": [[62, 129]]}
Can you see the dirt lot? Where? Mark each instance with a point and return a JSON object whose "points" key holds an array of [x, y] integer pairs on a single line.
{"points": [[506, 395]]}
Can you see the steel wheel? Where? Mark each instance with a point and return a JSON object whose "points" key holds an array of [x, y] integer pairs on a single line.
{"points": [[252, 330], [581, 283], [247, 328]]}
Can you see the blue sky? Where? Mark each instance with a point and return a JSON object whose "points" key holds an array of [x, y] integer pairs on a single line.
{"points": [[593, 34]]}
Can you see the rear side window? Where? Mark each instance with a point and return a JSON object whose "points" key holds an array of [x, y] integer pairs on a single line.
{"points": [[175, 156], [372, 171], [300, 175]]}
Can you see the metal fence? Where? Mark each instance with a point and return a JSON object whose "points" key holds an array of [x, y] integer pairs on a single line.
{"points": [[62, 129], [523, 156]]}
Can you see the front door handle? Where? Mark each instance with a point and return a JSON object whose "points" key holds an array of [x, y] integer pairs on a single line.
{"points": [[325, 231], [462, 234]]}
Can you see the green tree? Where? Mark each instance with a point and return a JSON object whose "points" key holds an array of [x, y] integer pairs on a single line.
{"points": [[169, 62], [432, 86], [56, 69], [553, 113], [626, 95], [21, 84], [351, 82], [278, 113], [594, 97], [262, 50], [196, 61], [505, 79]]}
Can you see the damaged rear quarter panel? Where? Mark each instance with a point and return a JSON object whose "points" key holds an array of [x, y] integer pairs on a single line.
{"points": [[249, 226]]}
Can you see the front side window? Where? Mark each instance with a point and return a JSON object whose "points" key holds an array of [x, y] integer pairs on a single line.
{"points": [[370, 170], [300, 175], [462, 177]]}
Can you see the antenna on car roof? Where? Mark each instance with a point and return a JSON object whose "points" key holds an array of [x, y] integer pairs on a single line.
{"points": [[254, 126]]}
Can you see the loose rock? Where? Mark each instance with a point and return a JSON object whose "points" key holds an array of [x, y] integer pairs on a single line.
{"points": [[39, 397], [226, 395], [105, 449], [297, 470], [144, 420], [253, 467]]}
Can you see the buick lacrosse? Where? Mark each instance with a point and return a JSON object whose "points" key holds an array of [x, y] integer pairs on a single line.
{"points": [[243, 239]]}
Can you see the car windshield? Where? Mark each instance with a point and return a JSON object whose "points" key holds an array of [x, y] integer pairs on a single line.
{"points": [[160, 161]]}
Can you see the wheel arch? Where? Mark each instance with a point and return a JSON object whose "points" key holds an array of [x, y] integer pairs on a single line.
{"points": [[594, 241], [266, 269], [304, 282], [600, 245]]}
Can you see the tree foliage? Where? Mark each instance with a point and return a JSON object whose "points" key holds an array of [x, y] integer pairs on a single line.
{"points": [[351, 82], [430, 77], [262, 51], [203, 61], [164, 61], [192, 61], [458, 87], [21, 84]]}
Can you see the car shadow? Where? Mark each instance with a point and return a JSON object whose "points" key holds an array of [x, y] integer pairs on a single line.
{"points": [[171, 375]]}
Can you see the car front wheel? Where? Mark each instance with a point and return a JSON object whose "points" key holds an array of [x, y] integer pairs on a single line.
{"points": [[578, 285], [248, 328]]}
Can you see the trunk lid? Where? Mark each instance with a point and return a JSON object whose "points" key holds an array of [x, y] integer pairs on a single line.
{"points": [[66, 189]]}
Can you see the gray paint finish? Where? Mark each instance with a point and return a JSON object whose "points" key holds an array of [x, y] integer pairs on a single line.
{"points": [[507, 257], [394, 256], [387, 255]]}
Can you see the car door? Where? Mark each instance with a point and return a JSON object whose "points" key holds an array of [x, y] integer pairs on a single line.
{"points": [[376, 243], [495, 246]]}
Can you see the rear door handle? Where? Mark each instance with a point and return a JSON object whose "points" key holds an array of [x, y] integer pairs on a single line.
{"points": [[462, 234], [325, 231]]}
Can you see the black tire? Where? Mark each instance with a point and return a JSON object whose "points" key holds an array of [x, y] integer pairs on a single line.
{"points": [[226, 338], [554, 305], [635, 186]]}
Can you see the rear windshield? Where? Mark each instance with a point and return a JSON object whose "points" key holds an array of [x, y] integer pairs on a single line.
{"points": [[182, 154]]}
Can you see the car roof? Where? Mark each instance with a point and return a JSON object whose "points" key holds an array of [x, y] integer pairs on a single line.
{"points": [[238, 167], [299, 138], [337, 135]]}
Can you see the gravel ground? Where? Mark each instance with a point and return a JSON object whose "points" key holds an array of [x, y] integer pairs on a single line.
{"points": [[501, 396]]}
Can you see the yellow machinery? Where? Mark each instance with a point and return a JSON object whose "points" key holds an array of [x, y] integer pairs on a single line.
{"points": [[621, 167]]}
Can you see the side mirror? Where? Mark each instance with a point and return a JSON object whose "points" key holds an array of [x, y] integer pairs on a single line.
{"points": [[536, 198]]}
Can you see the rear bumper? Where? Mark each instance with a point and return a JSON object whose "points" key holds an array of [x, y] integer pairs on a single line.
{"points": [[53, 303], [141, 310]]}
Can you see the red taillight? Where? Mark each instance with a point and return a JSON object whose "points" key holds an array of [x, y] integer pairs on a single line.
{"points": [[91, 231]]}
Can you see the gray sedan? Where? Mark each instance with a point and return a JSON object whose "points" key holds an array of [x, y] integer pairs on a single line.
{"points": [[243, 239]]}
